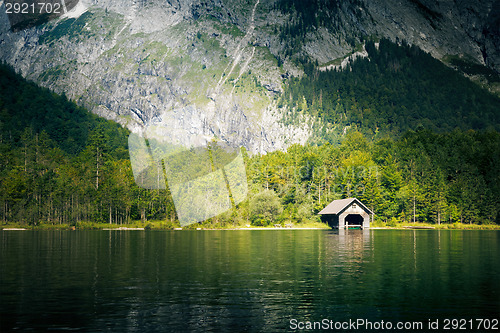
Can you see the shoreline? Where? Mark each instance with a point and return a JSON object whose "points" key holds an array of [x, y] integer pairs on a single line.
{"points": [[246, 228]]}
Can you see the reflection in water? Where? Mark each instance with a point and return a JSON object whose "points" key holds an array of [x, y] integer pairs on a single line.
{"points": [[347, 248], [243, 280]]}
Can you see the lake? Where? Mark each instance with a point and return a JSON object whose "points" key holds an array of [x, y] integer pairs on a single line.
{"points": [[257, 281]]}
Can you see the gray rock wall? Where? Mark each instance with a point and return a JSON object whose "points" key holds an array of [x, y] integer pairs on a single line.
{"points": [[138, 61]]}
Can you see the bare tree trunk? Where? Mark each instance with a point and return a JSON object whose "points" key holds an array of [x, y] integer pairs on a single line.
{"points": [[25, 158], [319, 193], [414, 208], [97, 169]]}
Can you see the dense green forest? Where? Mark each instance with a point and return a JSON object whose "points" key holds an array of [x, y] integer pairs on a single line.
{"points": [[396, 89], [62, 165], [421, 177]]}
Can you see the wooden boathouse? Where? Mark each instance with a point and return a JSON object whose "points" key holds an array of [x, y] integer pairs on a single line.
{"points": [[347, 213]]}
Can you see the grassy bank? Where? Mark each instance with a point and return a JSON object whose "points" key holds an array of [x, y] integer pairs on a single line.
{"points": [[160, 225], [447, 226], [155, 225], [164, 225]]}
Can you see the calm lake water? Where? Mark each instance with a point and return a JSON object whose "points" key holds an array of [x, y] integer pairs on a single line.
{"points": [[258, 281]]}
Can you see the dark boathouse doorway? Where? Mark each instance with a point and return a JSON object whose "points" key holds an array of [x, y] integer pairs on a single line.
{"points": [[354, 220]]}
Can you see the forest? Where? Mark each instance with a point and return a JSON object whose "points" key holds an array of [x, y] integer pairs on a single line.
{"points": [[421, 177], [61, 165]]}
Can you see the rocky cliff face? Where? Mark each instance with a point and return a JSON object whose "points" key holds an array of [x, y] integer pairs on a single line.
{"points": [[463, 28], [213, 68]]}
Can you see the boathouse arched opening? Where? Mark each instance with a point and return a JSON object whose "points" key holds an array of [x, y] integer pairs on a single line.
{"points": [[354, 219]]}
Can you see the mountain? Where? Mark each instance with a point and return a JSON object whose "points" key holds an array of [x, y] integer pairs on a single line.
{"points": [[218, 68]]}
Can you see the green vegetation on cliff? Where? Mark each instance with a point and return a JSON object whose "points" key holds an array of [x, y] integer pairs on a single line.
{"points": [[393, 90]]}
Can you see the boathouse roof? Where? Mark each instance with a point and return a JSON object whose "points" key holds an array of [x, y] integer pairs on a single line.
{"points": [[336, 207]]}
